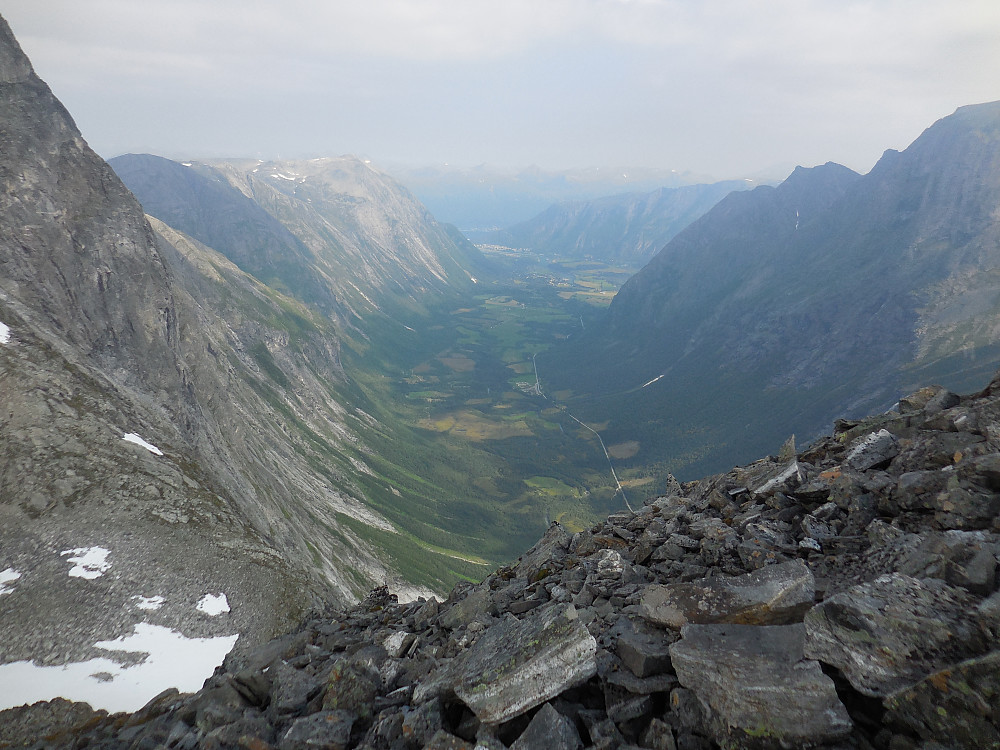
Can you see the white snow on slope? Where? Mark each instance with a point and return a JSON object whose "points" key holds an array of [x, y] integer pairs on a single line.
{"points": [[652, 381], [8, 576], [90, 562], [213, 604], [4, 333], [132, 437], [149, 602], [173, 661]]}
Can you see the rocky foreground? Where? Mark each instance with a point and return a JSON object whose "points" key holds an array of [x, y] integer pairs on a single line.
{"points": [[843, 596]]}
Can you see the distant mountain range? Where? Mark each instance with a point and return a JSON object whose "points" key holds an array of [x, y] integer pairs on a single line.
{"points": [[481, 200], [628, 228], [783, 306]]}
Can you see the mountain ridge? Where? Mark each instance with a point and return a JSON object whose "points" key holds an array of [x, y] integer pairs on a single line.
{"points": [[881, 279], [627, 227]]}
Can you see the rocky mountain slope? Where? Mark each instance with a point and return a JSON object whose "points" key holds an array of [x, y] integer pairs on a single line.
{"points": [[841, 596], [334, 232], [832, 293], [171, 428], [628, 228]]}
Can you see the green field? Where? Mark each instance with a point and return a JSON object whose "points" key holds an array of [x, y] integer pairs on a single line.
{"points": [[473, 457]]}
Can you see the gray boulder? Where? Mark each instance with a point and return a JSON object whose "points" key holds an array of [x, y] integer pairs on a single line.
{"points": [[758, 686], [323, 730], [517, 665], [774, 595], [958, 706], [549, 730], [871, 450], [891, 632]]}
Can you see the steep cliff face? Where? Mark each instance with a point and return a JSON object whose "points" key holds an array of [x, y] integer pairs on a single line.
{"points": [[833, 292], [334, 232], [164, 417]]}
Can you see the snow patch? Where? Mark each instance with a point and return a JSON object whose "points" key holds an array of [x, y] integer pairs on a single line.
{"points": [[185, 164], [279, 175], [172, 661], [8, 576], [90, 562], [213, 604], [650, 382], [149, 602], [4, 333], [132, 437]]}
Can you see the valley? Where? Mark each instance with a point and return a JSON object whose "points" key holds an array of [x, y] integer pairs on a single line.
{"points": [[477, 457]]}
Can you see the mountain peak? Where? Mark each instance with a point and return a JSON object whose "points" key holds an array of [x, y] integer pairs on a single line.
{"points": [[14, 64], [831, 174]]}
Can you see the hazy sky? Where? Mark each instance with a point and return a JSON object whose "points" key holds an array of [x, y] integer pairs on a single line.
{"points": [[723, 87]]}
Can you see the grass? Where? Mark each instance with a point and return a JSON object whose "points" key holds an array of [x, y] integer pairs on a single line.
{"points": [[469, 469]]}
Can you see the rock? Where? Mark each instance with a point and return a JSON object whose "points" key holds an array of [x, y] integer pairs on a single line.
{"points": [[773, 595], [612, 671], [478, 602], [549, 730], [685, 709], [622, 705], [958, 706], [785, 480], [872, 450], [943, 399], [24, 725], [759, 686], [644, 650], [517, 665], [443, 740], [917, 400], [550, 548], [291, 690], [397, 643], [893, 631], [421, 724], [658, 736], [352, 687], [984, 471], [323, 730], [253, 685]]}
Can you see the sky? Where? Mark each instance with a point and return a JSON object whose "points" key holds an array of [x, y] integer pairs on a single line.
{"points": [[726, 88]]}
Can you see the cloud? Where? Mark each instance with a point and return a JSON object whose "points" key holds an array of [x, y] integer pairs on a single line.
{"points": [[679, 83]]}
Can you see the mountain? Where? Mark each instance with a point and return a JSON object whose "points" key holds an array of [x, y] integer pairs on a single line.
{"points": [[844, 596], [783, 306], [627, 228], [335, 232], [180, 447], [482, 200]]}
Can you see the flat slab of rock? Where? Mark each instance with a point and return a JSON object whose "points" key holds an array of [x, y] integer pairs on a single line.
{"points": [[774, 595], [871, 450], [958, 707], [759, 686], [519, 664], [894, 631]]}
